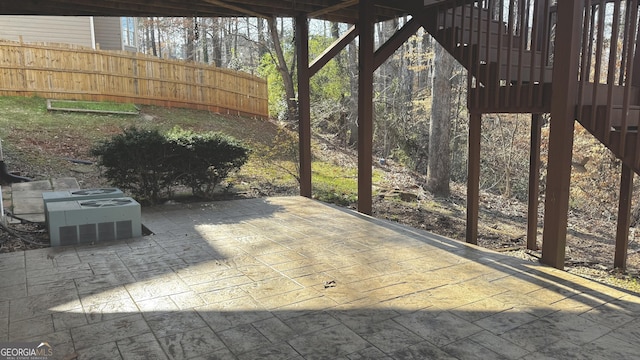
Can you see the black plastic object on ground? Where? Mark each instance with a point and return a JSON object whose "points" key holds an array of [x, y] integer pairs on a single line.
{"points": [[7, 177]]}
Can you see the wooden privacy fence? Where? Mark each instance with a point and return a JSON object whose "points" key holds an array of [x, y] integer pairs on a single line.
{"points": [[78, 73]]}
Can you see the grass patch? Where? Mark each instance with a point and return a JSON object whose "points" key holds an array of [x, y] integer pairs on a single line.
{"points": [[335, 184], [44, 139], [25, 120], [92, 106], [252, 131], [37, 141], [30, 115]]}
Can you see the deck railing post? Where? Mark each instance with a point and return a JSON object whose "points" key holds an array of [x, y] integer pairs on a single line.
{"points": [[564, 90]]}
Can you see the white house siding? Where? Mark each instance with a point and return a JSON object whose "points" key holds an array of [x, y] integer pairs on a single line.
{"points": [[107, 30], [53, 29]]}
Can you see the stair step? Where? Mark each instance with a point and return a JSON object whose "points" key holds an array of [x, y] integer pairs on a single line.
{"points": [[479, 53], [527, 98], [501, 75], [602, 92], [629, 156], [598, 128], [616, 116], [465, 38], [479, 69], [633, 116], [494, 26], [457, 37], [611, 135]]}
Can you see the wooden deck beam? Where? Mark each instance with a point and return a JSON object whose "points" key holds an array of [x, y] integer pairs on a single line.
{"points": [[395, 41], [565, 89], [333, 50], [304, 104]]}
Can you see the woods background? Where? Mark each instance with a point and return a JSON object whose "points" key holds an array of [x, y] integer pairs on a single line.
{"points": [[403, 95]]}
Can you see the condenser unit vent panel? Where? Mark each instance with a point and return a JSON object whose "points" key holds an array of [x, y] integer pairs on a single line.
{"points": [[94, 220]]}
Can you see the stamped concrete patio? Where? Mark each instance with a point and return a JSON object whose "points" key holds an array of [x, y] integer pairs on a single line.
{"points": [[292, 278]]}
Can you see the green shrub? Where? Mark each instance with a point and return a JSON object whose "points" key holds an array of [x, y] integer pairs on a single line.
{"points": [[202, 160], [149, 164], [134, 161]]}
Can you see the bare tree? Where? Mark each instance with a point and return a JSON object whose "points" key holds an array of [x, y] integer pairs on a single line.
{"points": [[438, 168], [216, 42], [283, 68], [189, 25], [353, 103]]}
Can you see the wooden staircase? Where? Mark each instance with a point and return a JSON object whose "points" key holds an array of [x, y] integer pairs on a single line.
{"points": [[613, 123], [508, 66], [508, 46]]}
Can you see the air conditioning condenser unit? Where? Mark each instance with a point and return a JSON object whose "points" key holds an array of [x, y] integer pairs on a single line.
{"points": [[92, 221]]}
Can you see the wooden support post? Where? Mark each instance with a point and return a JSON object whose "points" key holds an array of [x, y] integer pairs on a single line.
{"points": [[365, 106], [624, 217], [304, 104], [534, 182], [473, 177], [564, 87]]}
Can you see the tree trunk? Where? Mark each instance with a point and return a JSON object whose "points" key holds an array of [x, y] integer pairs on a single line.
{"points": [[190, 35], [345, 102], [283, 68], [353, 105], [235, 39], [152, 26], [438, 168], [159, 40], [204, 41], [216, 42], [252, 64], [262, 43], [227, 38]]}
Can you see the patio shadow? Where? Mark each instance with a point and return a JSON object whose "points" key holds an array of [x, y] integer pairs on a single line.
{"points": [[291, 278]]}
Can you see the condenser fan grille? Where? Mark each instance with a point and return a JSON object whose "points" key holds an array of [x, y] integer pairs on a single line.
{"points": [[99, 203], [88, 192]]}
